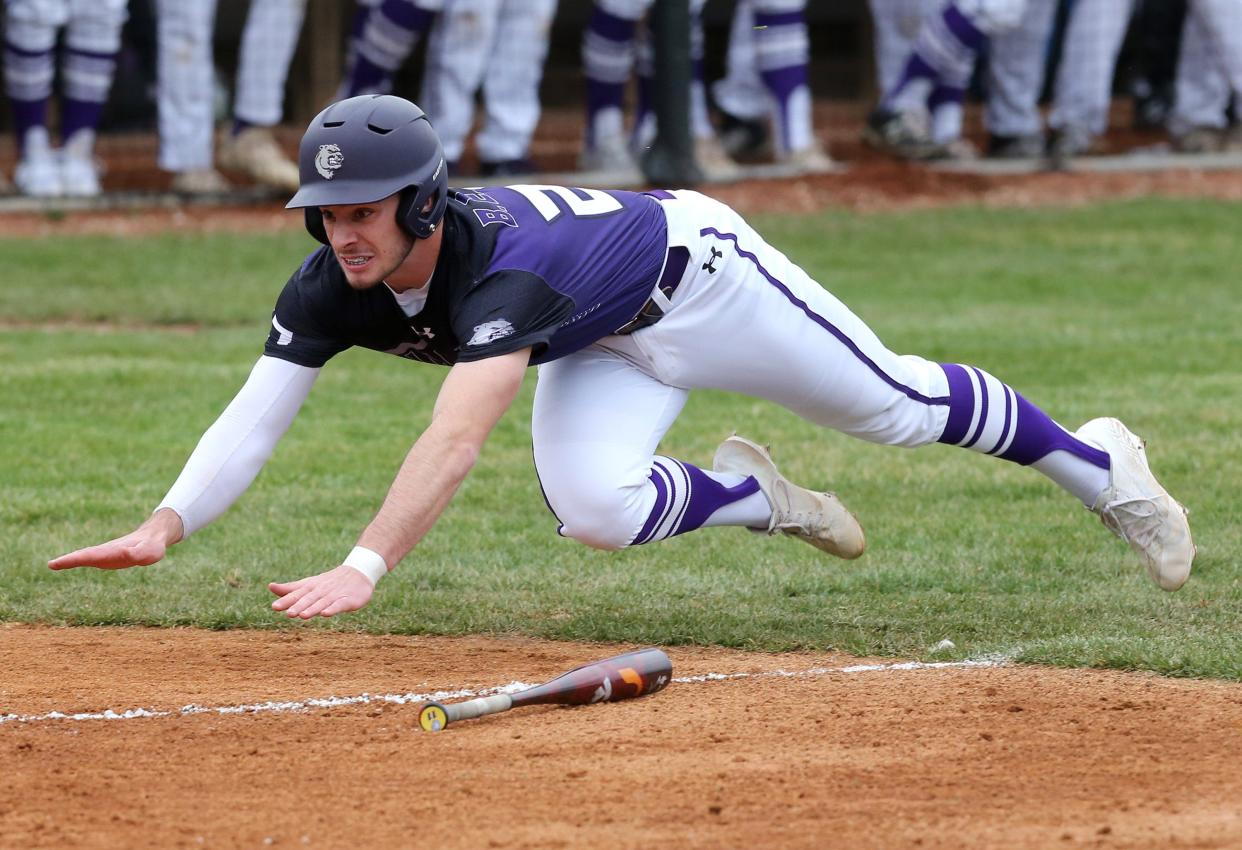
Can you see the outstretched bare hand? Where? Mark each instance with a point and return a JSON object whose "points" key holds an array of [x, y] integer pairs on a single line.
{"points": [[143, 546], [334, 592]]}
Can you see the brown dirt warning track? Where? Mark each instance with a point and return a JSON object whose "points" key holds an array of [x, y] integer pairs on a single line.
{"points": [[950, 757]]}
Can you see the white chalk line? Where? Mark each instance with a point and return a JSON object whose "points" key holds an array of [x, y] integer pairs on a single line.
{"points": [[440, 696]]}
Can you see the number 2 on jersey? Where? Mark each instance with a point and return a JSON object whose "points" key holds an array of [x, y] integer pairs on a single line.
{"points": [[582, 203]]}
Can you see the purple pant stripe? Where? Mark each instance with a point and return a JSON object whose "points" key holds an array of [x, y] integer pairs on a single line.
{"points": [[961, 403], [90, 54], [966, 32], [20, 51], [909, 392], [658, 510], [983, 409]]}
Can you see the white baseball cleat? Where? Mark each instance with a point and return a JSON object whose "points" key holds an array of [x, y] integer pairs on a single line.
{"points": [[1137, 509], [610, 153], [254, 151], [199, 182], [38, 175], [812, 159], [818, 518], [79, 176]]}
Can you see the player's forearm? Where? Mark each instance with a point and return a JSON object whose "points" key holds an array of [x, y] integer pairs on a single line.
{"points": [[473, 398], [232, 451], [426, 482]]}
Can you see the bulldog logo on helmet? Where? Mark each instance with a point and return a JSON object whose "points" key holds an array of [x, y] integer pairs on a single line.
{"points": [[328, 161]]}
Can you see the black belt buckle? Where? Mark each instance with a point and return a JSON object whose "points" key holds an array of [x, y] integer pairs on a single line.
{"points": [[651, 312]]}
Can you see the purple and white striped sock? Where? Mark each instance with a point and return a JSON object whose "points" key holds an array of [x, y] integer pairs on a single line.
{"points": [[782, 50], [688, 498], [988, 416], [944, 54], [388, 36], [28, 74], [607, 62], [88, 80]]}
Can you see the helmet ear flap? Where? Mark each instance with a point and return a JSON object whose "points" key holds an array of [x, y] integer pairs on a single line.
{"points": [[410, 215], [314, 224]]}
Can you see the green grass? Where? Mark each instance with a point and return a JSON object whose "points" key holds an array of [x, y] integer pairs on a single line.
{"points": [[1128, 309]]}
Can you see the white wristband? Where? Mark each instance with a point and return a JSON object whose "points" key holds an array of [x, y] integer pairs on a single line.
{"points": [[370, 564]]}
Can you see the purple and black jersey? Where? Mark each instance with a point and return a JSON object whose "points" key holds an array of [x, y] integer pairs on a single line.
{"points": [[548, 267]]}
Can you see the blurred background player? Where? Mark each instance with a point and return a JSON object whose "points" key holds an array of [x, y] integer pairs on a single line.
{"points": [[186, 94], [498, 46], [924, 104], [88, 62], [612, 50], [1017, 66], [766, 81], [382, 36], [1209, 75], [1084, 84]]}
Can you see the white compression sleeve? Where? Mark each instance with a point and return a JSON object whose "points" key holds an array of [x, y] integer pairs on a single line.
{"points": [[234, 449]]}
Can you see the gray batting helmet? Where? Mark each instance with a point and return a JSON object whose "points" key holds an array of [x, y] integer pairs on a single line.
{"points": [[366, 148]]}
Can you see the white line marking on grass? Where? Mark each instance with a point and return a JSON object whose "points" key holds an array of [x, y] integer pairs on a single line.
{"points": [[439, 696]]}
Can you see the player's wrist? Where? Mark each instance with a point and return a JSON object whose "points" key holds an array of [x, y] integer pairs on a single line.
{"points": [[368, 562], [167, 524]]}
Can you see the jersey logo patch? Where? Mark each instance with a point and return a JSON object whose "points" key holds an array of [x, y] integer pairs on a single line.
{"points": [[328, 161], [490, 331]]}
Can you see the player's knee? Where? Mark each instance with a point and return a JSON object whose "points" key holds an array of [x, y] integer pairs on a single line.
{"points": [[602, 518], [912, 417]]}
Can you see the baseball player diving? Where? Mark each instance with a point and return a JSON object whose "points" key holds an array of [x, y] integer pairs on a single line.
{"points": [[625, 302]]}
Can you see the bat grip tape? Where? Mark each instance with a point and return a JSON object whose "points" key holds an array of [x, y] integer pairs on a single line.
{"points": [[478, 707]]}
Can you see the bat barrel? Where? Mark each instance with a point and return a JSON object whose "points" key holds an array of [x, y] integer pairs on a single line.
{"points": [[626, 676]]}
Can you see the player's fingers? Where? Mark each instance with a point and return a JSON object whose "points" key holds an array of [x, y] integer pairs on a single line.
{"points": [[290, 598], [105, 556], [340, 605], [308, 597], [280, 588], [317, 607]]}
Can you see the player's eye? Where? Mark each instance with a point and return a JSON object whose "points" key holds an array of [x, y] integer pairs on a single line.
{"points": [[327, 215]]}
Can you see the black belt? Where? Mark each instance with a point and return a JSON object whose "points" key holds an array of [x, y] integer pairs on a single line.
{"points": [[674, 267]]}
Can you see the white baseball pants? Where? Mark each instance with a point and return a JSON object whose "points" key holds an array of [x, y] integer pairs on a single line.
{"points": [[744, 318]]}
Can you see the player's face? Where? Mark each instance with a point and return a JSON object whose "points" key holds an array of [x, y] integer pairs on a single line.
{"points": [[367, 241]]}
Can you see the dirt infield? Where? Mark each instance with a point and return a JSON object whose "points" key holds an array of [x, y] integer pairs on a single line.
{"points": [[954, 757]]}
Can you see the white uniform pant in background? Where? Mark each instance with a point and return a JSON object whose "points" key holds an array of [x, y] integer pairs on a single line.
{"points": [[1016, 68], [268, 41], [1088, 62], [499, 46], [744, 318], [186, 90]]}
